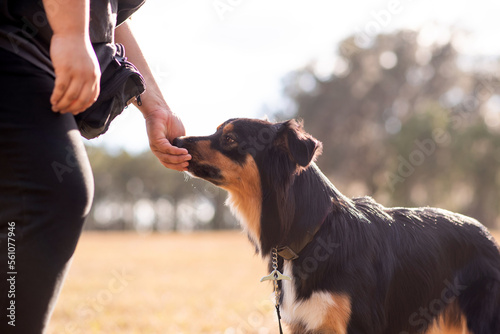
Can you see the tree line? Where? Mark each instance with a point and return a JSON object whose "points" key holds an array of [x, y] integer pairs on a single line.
{"points": [[406, 121]]}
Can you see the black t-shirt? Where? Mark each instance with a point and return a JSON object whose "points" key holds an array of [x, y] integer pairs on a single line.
{"points": [[25, 30]]}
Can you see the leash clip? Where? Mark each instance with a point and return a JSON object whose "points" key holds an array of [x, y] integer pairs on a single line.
{"points": [[275, 275]]}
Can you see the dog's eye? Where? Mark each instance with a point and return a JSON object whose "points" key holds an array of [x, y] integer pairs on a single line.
{"points": [[229, 140]]}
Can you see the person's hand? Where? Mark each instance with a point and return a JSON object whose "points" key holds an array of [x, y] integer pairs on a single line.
{"points": [[77, 73], [163, 127]]}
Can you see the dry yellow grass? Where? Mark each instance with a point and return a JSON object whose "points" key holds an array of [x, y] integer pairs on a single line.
{"points": [[172, 283]]}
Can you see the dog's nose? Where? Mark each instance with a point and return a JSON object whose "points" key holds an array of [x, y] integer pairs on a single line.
{"points": [[179, 142]]}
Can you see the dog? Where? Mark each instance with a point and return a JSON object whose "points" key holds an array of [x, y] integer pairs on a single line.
{"points": [[356, 266]]}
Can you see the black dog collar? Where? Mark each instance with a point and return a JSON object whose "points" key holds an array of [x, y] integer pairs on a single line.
{"points": [[291, 252]]}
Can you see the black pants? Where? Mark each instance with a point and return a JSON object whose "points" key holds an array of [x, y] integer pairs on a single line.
{"points": [[46, 189]]}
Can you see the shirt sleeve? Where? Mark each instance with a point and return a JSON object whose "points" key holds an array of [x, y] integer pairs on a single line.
{"points": [[126, 8]]}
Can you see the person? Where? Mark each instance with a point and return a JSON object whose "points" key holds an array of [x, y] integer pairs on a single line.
{"points": [[48, 73]]}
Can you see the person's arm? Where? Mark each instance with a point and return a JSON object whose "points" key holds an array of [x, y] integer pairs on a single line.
{"points": [[162, 124], [76, 67]]}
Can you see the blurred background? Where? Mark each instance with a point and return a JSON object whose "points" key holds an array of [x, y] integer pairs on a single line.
{"points": [[404, 95]]}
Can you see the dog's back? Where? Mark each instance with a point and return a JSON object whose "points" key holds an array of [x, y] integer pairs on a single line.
{"points": [[447, 266], [403, 270]]}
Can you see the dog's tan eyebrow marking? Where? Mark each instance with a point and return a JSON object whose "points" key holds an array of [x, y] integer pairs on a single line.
{"points": [[228, 128], [225, 125]]}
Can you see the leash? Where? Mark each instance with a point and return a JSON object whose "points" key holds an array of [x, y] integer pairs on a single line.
{"points": [[276, 276], [279, 318]]}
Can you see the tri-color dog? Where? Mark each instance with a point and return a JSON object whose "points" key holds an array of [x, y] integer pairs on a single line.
{"points": [[356, 266]]}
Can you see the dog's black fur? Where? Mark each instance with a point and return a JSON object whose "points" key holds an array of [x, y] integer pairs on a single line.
{"points": [[400, 269]]}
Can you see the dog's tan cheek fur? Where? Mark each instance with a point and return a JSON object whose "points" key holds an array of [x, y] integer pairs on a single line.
{"points": [[245, 193], [243, 184], [203, 150]]}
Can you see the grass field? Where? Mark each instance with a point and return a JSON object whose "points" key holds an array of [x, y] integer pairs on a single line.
{"points": [[170, 283], [165, 283]]}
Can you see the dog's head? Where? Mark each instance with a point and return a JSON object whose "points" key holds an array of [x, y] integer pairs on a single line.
{"points": [[252, 159]]}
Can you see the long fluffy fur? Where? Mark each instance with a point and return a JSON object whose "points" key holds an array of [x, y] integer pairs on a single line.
{"points": [[379, 270], [394, 263]]}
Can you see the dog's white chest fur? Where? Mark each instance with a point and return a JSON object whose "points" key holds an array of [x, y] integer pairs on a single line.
{"points": [[310, 312]]}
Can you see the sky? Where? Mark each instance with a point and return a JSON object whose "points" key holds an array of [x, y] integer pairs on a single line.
{"points": [[219, 59]]}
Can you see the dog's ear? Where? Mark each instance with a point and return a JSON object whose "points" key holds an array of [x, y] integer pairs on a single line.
{"points": [[292, 150], [301, 147]]}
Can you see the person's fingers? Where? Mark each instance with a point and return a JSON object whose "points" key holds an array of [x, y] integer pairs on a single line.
{"points": [[70, 97], [77, 72], [179, 167], [163, 145], [88, 96], [60, 86], [172, 159], [161, 125], [171, 156]]}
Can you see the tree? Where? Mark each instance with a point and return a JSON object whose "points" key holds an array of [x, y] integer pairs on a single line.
{"points": [[404, 121]]}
